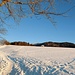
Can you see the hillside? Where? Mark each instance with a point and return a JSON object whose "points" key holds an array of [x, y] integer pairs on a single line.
{"points": [[56, 44], [46, 44]]}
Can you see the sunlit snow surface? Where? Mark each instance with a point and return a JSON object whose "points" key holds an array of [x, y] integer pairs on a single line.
{"points": [[30, 60]]}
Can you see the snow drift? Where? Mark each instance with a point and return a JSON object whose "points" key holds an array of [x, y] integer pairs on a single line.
{"points": [[30, 60]]}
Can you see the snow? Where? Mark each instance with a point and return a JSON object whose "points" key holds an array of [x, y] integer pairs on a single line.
{"points": [[31, 60]]}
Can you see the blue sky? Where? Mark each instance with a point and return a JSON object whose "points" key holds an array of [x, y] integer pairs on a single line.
{"points": [[40, 29]]}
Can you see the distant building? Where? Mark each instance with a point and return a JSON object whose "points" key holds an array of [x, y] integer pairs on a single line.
{"points": [[42, 46]]}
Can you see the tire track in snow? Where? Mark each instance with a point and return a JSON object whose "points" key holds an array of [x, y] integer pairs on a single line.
{"points": [[31, 66], [5, 64], [64, 68]]}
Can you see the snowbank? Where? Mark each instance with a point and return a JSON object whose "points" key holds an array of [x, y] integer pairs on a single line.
{"points": [[30, 60]]}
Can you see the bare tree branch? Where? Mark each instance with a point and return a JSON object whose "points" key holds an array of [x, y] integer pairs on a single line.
{"points": [[17, 9]]}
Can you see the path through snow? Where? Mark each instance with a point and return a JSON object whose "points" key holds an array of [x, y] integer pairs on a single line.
{"points": [[20, 60]]}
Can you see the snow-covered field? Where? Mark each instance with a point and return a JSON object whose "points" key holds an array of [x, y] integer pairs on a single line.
{"points": [[30, 60]]}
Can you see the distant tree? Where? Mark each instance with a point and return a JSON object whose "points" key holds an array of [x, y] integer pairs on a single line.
{"points": [[18, 9], [4, 42]]}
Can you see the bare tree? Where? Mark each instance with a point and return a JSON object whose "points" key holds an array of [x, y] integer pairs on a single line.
{"points": [[20, 8]]}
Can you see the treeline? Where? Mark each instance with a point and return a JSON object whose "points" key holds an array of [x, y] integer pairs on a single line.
{"points": [[56, 44], [17, 43], [46, 44], [21, 43]]}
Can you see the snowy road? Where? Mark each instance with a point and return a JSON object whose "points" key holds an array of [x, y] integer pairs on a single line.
{"points": [[29, 60]]}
